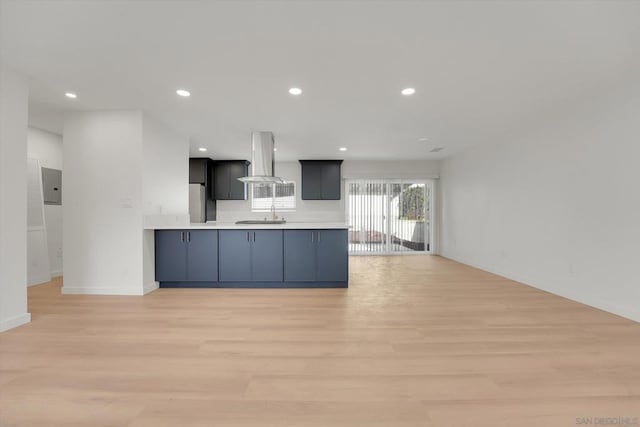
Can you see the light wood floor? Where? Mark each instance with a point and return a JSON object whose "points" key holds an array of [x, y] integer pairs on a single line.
{"points": [[415, 341]]}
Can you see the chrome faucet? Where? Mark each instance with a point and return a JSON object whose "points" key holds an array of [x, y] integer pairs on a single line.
{"points": [[273, 213]]}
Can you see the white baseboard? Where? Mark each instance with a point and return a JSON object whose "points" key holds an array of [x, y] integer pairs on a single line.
{"points": [[630, 313], [150, 287], [15, 321], [39, 280], [67, 290]]}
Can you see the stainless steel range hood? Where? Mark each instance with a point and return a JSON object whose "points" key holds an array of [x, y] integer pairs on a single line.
{"points": [[262, 170]]}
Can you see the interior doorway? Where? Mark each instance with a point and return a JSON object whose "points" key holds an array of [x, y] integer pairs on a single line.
{"points": [[388, 216]]}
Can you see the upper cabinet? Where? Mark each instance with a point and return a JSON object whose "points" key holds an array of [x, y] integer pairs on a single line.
{"points": [[199, 170], [226, 184], [321, 179]]}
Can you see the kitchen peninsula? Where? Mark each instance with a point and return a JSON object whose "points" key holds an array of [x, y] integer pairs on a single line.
{"points": [[228, 255]]}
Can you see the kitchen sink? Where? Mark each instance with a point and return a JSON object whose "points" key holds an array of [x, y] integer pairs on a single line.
{"points": [[261, 221]]}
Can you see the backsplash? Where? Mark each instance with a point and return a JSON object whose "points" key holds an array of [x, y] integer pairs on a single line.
{"points": [[306, 211]]}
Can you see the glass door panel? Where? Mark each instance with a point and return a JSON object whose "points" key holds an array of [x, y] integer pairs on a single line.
{"points": [[367, 206], [388, 216], [407, 217]]}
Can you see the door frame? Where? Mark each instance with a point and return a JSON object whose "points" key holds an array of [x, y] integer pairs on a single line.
{"points": [[430, 187]]}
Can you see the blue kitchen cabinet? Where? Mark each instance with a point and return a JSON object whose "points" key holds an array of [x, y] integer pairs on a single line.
{"points": [[251, 256], [333, 256], [202, 255], [266, 256], [299, 255], [171, 255], [316, 256], [186, 255], [235, 256]]}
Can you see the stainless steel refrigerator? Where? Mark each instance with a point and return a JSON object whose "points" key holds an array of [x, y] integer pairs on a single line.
{"points": [[197, 203]]}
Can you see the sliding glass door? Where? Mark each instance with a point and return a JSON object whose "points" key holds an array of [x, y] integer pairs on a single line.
{"points": [[367, 205], [389, 216]]}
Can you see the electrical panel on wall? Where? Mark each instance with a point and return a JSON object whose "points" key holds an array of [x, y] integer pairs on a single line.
{"points": [[52, 186]]}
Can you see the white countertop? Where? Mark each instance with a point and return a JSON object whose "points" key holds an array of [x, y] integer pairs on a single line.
{"points": [[233, 226]]}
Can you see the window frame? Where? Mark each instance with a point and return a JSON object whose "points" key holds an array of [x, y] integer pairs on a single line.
{"points": [[273, 198]]}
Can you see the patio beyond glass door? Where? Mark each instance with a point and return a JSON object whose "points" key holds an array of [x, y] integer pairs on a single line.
{"points": [[388, 216]]}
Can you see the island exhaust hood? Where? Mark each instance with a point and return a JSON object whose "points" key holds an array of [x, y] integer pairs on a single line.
{"points": [[262, 145]]}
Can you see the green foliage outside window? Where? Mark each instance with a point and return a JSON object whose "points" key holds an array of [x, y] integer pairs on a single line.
{"points": [[412, 206]]}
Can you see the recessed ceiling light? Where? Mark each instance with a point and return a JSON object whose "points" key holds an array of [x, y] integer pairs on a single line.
{"points": [[342, 148], [408, 91], [71, 95], [202, 149], [275, 149], [183, 92], [423, 139], [295, 91]]}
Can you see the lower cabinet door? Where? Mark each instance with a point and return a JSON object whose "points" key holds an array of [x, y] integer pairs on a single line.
{"points": [[266, 255], [333, 256], [300, 255], [202, 257], [171, 255], [235, 255]]}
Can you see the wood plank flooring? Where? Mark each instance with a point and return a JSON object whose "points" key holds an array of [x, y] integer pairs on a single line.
{"points": [[415, 341]]}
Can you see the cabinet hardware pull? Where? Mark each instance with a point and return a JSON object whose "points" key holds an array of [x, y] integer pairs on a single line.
{"points": [[318, 235], [254, 236], [248, 239], [312, 235], [182, 236], [188, 236]]}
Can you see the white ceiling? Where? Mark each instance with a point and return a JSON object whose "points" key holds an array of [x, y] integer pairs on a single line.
{"points": [[482, 69]]}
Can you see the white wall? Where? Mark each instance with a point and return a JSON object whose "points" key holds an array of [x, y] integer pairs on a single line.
{"points": [[118, 166], [165, 170], [327, 210], [557, 209], [165, 184], [102, 202], [45, 117], [396, 169], [47, 148], [14, 93]]}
